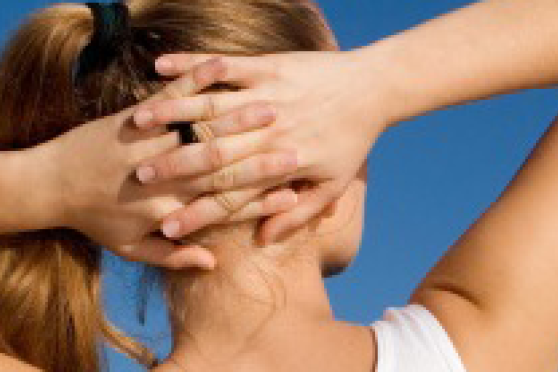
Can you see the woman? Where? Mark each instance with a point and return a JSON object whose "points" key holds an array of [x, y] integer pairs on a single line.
{"points": [[491, 291], [265, 308], [270, 291]]}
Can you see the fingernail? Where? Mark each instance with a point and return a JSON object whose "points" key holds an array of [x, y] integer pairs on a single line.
{"points": [[128, 249], [143, 118], [207, 262], [288, 202], [285, 199], [146, 174], [164, 65], [171, 229], [292, 199]]}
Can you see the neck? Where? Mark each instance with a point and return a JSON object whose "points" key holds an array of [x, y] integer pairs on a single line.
{"points": [[249, 319]]}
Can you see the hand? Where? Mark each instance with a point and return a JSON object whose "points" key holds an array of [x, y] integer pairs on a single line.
{"points": [[93, 173], [327, 109], [101, 197]]}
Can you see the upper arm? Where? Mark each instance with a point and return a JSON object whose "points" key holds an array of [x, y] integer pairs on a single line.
{"points": [[496, 291]]}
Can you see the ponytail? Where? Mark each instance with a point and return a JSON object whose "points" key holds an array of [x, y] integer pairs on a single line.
{"points": [[51, 312]]}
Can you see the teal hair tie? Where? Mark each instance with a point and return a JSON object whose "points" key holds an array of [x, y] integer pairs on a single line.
{"points": [[112, 30]]}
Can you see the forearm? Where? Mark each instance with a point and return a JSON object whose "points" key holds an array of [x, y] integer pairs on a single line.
{"points": [[13, 365], [495, 291], [487, 48], [26, 193]]}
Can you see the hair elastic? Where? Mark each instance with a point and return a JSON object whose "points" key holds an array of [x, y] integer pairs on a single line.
{"points": [[112, 29]]}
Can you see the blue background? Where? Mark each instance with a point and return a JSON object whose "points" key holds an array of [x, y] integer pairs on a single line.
{"points": [[429, 179]]}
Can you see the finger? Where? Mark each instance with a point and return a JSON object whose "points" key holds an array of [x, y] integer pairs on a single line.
{"points": [[193, 81], [202, 158], [240, 70], [188, 85], [164, 253], [247, 118], [255, 170], [178, 63], [311, 203], [274, 202], [204, 107], [206, 211], [144, 150]]}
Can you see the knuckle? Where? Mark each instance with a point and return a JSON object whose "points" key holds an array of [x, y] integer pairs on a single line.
{"points": [[274, 67], [246, 118], [189, 220], [221, 66], [160, 208], [168, 166], [180, 109], [268, 166], [256, 113], [201, 76], [210, 71], [171, 92], [214, 156], [263, 104], [184, 61], [235, 122], [269, 205], [279, 201], [221, 181], [194, 187], [161, 116], [221, 61], [227, 205], [209, 109], [300, 219]]}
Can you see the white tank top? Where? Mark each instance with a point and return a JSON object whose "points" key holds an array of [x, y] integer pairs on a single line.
{"points": [[411, 339]]}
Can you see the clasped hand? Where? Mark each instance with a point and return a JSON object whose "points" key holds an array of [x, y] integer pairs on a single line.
{"points": [[298, 116], [320, 131]]}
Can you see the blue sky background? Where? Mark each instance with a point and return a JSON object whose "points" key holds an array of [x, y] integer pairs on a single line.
{"points": [[430, 178]]}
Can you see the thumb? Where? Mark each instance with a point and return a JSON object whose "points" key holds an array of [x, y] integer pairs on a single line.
{"points": [[164, 253], [240, 70], [311, 203]]}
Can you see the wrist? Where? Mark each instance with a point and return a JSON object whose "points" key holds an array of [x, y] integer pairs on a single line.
{"points": [[404, 85], [381, 87], [40, 192], [370, 95], [19, 193]]}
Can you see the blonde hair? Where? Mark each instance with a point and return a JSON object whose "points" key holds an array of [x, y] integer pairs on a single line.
{"points": [[51, 312]]}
